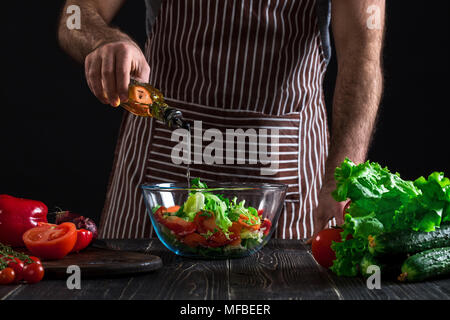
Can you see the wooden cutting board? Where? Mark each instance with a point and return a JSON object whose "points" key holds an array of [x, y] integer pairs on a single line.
{"points": [[101, 262]]}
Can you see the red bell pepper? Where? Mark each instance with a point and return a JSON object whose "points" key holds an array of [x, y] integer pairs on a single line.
{"points": [[84, 238], [17, 216]]}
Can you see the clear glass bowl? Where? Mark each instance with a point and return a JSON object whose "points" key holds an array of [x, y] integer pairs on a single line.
{"points": [[268, 199]]}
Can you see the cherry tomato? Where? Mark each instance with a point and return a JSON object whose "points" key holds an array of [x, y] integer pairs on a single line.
{"points": [[35, 260], [7, 276], [260, 212], [51, 241], [321, 246], [33, 272], [84, 238], [17, 265]]}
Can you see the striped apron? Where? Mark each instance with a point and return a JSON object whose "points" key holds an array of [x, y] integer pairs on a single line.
{"points": [[229, 65]]}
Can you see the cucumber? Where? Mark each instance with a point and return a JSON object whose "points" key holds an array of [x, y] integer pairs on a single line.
{"points": [[409, 241], [389, 270], [431, 263]]}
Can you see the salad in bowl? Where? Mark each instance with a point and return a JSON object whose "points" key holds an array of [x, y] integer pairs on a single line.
{"points": [[214, 222]]}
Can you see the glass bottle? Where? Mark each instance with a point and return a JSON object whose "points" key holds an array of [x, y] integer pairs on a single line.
{"points": [[147, 101]]}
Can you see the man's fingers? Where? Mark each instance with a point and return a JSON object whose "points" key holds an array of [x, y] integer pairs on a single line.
{"points": [[141, 70], [123, 68], [109, 79], [109, 68], [94, 79]]}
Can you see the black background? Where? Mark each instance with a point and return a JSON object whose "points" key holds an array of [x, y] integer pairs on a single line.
{"points": [[57, 140]]}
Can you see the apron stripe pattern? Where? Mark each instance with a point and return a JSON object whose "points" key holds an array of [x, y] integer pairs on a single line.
{"points": [[249, 65]]}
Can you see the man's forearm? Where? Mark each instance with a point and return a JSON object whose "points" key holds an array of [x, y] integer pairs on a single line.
{"points": [[355, 105], [94, 30]]}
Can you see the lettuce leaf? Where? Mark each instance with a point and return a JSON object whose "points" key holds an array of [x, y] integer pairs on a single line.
{"points": [[362, 227], [348, 256], [194, 203], [214, 204], [371, 188], [382, 202], [430, 208]]}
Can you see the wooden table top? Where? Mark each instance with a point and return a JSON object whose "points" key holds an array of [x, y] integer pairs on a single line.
{"points": [[282, 270]]}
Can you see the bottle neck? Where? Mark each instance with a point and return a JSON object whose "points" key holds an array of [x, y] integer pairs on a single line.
{"points": [[174, 119]]}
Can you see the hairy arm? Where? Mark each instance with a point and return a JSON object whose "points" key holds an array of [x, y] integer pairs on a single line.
{"points": [[109, 55], [359, 82], [358, 28]]}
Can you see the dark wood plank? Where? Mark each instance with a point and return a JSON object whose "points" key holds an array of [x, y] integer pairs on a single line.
{"points": [[356, 289], [6, 291], [180, 278], [282, 270], [96, 262], [108, 289]]}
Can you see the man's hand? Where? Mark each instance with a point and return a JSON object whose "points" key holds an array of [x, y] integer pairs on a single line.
{"points": [[328, 208], [109, 67]]}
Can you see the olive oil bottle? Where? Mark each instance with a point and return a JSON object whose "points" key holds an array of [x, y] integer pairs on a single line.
{"points": [[147, 101]]}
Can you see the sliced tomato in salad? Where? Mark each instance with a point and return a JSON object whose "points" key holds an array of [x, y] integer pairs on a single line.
{"points": [[178, 225], [266, 224], [194, 240], [217, 239], [173, 209], [235, 234], [205, 222], [159, 214]]}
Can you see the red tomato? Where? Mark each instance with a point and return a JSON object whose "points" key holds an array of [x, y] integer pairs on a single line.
{"points": [[7, 276], [84, 238], [17, 216], [17, 265], [266, 225], [194, 240], [33, 272], [179, 226], [260, 212], [321, 246], [51, 241]]}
